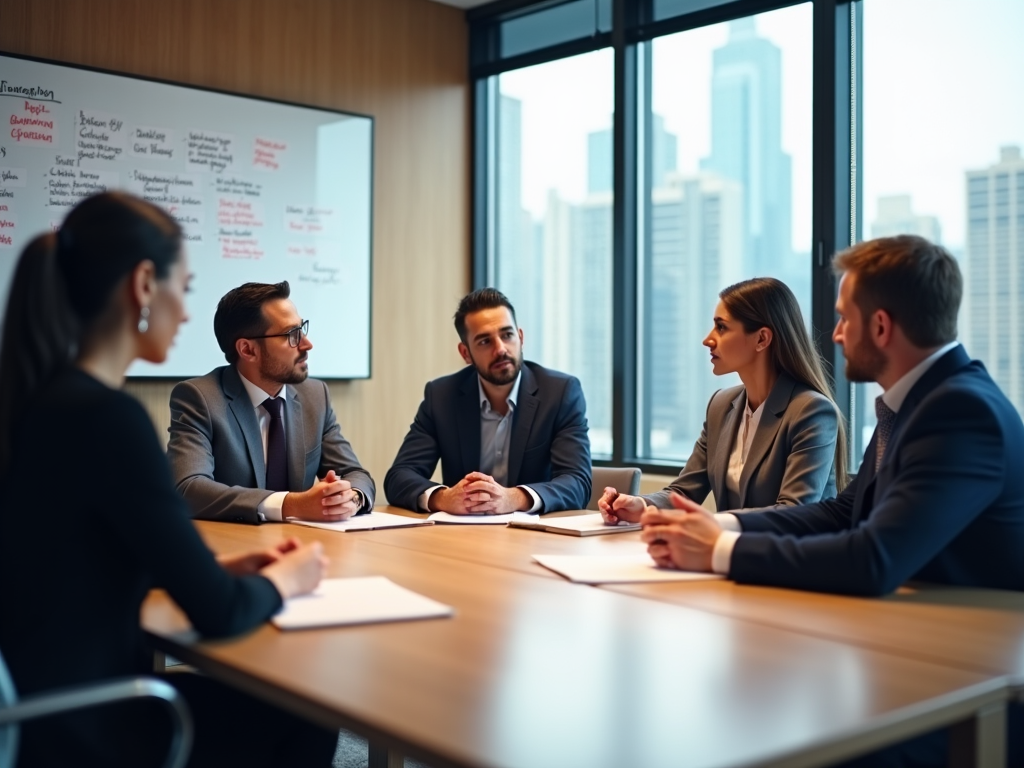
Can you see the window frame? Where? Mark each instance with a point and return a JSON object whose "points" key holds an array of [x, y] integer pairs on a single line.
{"points": [[836, 184]]}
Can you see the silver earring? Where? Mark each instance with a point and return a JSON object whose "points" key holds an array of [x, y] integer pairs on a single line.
{"points": [[144, 320]]}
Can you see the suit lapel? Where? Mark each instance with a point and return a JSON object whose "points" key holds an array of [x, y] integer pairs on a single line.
{"points": [[767, 429], [522, 423], [726, 439], [864, 501], [468, 419], [940, 370], [295, 442], [245, 415]]}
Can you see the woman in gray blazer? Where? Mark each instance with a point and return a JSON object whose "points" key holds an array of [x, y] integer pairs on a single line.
{"points": [[777, 440]]}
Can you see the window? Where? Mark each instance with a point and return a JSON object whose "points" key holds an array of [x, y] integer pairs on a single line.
{"points": [[942, 137], [553, 220], [915, 126], [727, 178]]}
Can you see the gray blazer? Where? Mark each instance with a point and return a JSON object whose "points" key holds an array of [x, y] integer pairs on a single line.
{"points": [[790, 461], [216, 451]]}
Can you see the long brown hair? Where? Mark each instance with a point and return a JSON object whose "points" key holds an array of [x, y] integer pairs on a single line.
{"points": [[764, 302]]}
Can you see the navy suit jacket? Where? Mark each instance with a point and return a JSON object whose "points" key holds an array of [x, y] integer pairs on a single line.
{"points": [[549, 448], [946, 505]]}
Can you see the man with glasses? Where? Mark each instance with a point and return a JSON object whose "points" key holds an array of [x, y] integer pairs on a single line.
{"points": [[257, 440]]}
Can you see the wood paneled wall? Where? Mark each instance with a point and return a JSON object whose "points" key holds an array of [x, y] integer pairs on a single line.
{"points": [[402, 61]]}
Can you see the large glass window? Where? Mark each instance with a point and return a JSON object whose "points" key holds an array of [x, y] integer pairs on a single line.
{"points": [[552, 249], [943, 138], [727, 176]]}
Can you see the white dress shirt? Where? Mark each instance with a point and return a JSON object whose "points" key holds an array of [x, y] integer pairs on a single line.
{"points": [[495, 440], [744, 437], [721, 556], [270, 508]]}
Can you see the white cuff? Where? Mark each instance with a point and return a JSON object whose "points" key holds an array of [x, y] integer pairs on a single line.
{"points": [[728, 522], [533, 495], [270, 508], [721, 556], [424, 500]]}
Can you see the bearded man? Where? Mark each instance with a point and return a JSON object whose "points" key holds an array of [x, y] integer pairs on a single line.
{"points": [[510, 435], [257, 440]]}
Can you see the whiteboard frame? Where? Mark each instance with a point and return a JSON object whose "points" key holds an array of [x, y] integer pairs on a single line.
{"points": [[280, 102]]}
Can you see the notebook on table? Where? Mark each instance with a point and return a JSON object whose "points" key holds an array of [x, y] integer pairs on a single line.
{"points": [[360, 600], [577, 525], [369, 522]]}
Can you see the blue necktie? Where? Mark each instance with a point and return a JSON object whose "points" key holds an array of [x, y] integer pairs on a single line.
{"points": [[886, 418], [277, 456]]}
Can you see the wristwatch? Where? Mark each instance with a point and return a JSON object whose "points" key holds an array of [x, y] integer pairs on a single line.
{"points": [[360, 499]]}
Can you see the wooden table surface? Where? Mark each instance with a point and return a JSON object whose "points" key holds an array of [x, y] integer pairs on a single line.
{"points": [[499, 546], [540, 672], [973, 629]]}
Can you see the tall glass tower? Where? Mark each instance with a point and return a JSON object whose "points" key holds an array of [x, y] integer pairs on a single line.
{"points": [[746, 146]]}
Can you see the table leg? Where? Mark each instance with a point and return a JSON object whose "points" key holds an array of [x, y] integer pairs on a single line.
{"points": [[382, 757], [980, 742]]}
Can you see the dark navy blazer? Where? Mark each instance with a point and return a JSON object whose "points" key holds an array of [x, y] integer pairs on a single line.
{"points": [[946, 505], [549, 448]]}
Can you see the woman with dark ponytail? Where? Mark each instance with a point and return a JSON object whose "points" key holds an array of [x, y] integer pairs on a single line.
{"points": [[776, 440], [91, 520]]}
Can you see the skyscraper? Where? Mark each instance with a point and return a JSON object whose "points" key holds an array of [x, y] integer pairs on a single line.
{"points": [[746, 146], [995, 270], [696, 248], [896, 217], [664, 151], [519, 264]]}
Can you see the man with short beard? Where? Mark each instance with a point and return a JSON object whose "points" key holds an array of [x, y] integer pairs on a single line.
{"points": [[510, 435], [938, 496], [257, 440]]}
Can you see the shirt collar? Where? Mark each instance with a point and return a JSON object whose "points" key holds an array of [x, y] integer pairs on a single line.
{"points": [[513, 395], [257, 395], [897, 393]]}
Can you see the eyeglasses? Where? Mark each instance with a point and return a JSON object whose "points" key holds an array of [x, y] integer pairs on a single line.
{"points": [[294, 335]]}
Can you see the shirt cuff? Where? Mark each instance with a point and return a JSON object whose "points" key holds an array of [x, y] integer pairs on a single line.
{"points": [[533, 495], [270, 508], [424, 500], [721, 556], [728, 522]]}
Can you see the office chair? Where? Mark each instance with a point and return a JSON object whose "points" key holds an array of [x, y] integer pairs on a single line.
{"points": [[13, 711], [622, 479]]}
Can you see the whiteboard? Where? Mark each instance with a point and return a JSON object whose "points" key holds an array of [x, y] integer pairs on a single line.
{"points": [[265, 191]]}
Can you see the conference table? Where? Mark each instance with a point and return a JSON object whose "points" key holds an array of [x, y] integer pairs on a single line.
{"points": [[535, 671], [974, 629]]}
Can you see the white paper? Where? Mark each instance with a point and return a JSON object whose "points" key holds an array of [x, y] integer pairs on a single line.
{"points": [[361, 600], [368, 522], [615, 569], [447, 517], [592, 522]]}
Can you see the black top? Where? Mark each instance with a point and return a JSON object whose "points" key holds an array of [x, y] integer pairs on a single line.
{"points": [[85, 536]]}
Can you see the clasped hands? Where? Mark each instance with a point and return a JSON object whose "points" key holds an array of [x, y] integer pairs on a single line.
{"points": [[479, 494], [292, 567], [683, 537], [329, 500]]}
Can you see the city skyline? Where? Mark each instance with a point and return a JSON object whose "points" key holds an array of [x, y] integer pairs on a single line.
{"points": [[565, 130]]}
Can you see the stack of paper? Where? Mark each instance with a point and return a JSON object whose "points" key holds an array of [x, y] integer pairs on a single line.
{"points": [[577, 525], [362, 600], [447, 517], [615, 569], [368, 522]]}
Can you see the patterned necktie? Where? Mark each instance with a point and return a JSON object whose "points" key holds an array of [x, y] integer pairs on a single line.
{"points": [[277, 462], [886, 417]]}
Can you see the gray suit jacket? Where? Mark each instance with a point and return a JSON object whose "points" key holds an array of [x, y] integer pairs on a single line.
{"points": [[216, 451], [790, 461]]}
